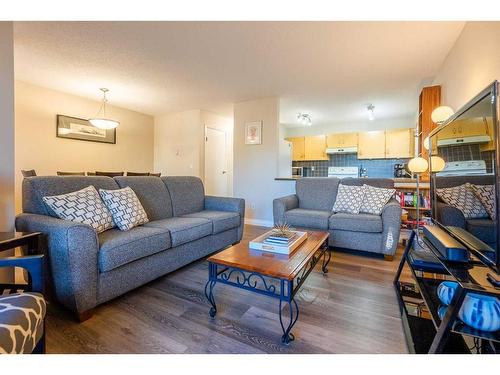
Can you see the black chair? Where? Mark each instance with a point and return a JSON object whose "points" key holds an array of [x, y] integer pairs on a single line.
{"points": [[71, 173], [24, 298], [109, 174], [28, 173]]}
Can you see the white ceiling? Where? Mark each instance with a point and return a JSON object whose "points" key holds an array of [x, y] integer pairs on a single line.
{"points": [[331, 70]]}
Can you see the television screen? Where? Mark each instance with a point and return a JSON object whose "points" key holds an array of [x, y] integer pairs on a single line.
{"points": [[464, 179]]}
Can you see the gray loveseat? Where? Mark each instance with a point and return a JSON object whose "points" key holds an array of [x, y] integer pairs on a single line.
{"points": [[88, 269], [311, 207]]}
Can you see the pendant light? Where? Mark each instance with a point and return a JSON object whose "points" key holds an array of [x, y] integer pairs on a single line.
{"points": [[102, 122]]}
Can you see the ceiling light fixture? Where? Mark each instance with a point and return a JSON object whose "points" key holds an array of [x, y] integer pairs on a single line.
{"points": [[102, 122], [304, 119], [371, 115]]}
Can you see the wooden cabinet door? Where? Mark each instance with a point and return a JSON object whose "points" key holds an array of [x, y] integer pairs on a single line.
{"points": [[298, 151], [340, 140], [315, 147], [472, 127], [399, 143], [371, 145]]}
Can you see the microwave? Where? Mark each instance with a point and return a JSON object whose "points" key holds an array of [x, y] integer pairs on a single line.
{"points": [[297, 172]]}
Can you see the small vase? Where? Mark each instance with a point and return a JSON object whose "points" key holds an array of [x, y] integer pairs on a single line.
{"points": [[481, 312], [446, 291]]}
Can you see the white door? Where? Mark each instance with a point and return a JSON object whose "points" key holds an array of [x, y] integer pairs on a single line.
{"points": [[215, 162]]}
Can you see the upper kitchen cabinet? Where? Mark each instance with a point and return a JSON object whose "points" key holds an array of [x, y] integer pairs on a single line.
{"points": [[298, 148], [315, 147], [399, 143], [460, 130], [371, 145], [341, 140]]}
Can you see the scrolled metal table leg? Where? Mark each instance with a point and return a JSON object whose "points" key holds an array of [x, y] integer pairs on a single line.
{"points": [[209, 288], [326, 259], [287, 335]]}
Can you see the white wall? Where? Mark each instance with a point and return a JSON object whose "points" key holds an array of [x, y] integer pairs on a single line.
{"points": [[7, 130], [377, 124], [179, 142], [256, 166], [471, 65], [37, 146]]}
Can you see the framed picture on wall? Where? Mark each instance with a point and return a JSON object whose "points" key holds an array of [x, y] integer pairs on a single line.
{"points": [[82, 130], [253, 133]]}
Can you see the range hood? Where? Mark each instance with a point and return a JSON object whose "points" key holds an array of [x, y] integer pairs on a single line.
{"points": [[342, 150], [464, 140]]}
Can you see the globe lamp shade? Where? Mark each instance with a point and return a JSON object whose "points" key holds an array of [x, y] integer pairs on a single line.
{"points": [[418, 165]]}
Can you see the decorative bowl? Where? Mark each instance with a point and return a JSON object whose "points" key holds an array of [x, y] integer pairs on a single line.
{"points": [[481, 312], [446, 291]]}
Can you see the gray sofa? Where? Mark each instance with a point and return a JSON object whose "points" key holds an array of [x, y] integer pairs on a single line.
{"points": [[88, 269], [311, 207], [484, 229]]}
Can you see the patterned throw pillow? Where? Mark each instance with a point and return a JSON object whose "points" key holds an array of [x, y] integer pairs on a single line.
{"points": [[349, 199], [486, 194], [375, 199], [463, 198], [125, 207], [82, 206]]}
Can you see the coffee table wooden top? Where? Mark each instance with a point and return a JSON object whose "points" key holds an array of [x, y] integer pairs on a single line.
{"points": [[270, 264]]}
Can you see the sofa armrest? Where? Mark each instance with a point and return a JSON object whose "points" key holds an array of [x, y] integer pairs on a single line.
{"points": [[229, 205], [449, 215], [282, 205], [391, 224], [72, 251]]}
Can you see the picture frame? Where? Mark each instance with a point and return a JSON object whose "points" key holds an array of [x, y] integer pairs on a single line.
{"points": [[253, 133], [82, 130]]}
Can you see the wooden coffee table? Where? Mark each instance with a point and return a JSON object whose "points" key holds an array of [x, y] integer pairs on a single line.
{"points": [[274, 275]]}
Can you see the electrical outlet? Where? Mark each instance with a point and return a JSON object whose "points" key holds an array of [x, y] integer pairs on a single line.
{"points": [[252, 206], [312, 168]]}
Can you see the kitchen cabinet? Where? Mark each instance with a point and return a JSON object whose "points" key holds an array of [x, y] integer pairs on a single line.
{"points": [[399, 143], [464, 128], [490, 146], [298, 150], [315, 147], [371, 145], [340, 140]]}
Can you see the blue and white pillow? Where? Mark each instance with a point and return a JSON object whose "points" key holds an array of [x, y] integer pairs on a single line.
{"points": [[83, 206], [125, 207], [349, 199]]}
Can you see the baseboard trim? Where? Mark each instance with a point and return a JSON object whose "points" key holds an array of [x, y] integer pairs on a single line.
{"points": [[262, 223]]}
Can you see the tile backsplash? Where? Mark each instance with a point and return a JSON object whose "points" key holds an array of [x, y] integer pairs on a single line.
{"points": [[467, 152], [374, 167]]}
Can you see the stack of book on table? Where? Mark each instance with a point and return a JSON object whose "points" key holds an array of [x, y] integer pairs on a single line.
{"points": [[278, 242]]}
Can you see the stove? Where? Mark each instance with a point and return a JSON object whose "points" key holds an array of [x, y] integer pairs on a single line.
{"points": [[342, 172]]}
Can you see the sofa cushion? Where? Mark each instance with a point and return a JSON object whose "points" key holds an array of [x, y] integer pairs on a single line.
{"points": [[221, 220], [486, 194], [82, 206], [463, 198], [117, 247], [152, 193], [356, 222], [484, 229], [316, 193], [35, 188], [349, 199], [187, 193], [21, 322], [125, 207], [314, 219], [183, 229], [375, 199]]}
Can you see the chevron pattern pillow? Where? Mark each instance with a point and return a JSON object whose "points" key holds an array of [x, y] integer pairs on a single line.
{"points": [[375, 199], [463, 198], [349, 199], [125, 207], [486, 194], [83, 206]]}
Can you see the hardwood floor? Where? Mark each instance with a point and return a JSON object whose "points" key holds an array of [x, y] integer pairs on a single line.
{"points": [[352, 309]]}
